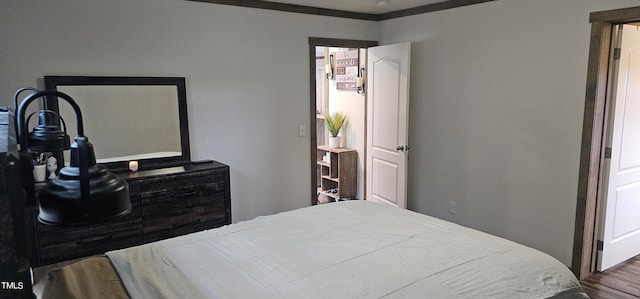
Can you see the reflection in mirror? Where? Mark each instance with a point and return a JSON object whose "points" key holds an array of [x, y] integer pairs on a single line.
{"points": [[128, 118], [127, 122]]}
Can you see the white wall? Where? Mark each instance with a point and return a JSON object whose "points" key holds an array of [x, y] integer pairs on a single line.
{"points": [[497, 96], [352, 104], [247, 73]]}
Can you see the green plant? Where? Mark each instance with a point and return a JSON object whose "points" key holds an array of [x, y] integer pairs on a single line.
{"points": [[335, 122]]}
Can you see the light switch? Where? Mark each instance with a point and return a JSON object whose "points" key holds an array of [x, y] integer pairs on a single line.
{"points": [[302, 130]]}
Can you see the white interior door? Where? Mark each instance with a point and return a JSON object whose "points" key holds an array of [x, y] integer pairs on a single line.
{"points": [[387, 123], [620, 228]]}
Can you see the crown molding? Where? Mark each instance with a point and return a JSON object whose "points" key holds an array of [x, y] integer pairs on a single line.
{"points": [[345, 14], [429, 8], [294, 8]]}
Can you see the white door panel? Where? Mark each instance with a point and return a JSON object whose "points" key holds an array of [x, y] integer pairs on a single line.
{"points": [[387, 123], [630, 150], [384, 181], [384, 131], [626, 220]]}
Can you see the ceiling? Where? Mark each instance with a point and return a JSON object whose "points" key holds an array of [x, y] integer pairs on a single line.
{"points": [[361, 6]]}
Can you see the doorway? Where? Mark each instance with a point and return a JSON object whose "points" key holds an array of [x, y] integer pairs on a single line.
{"points": [[594, 129], [619, 226], [321, 88]]}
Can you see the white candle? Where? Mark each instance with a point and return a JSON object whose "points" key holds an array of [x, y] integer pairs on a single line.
{"points": [[360, 82], [133, 165], [327, 68]]}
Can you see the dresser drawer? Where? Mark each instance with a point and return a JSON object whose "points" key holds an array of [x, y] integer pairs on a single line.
{"points": [[201, 218], [183, 210], [214, 181], [64, 243], [52, 232]]}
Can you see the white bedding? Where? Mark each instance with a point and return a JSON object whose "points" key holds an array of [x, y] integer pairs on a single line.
{"points": [[351, 249]]}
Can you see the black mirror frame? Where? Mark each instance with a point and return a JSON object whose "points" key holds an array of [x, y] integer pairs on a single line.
{"points": [[52, 83]]}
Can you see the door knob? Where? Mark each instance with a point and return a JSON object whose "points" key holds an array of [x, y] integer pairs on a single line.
{"points": [[400, 148]]}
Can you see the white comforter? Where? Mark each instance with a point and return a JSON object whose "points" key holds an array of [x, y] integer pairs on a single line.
{"points": [[352, 249]]}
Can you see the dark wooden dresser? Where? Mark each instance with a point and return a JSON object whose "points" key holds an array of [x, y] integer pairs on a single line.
{"points": [[167, 202]]}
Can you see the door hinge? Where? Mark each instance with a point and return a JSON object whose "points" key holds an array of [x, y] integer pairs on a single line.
{"points": [[607, 153], [599, 245], [617, 52]]}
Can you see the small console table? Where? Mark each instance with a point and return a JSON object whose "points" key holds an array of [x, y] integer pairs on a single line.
{"points": [[337, 174]]}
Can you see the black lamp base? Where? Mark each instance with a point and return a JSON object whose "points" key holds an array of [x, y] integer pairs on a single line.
{"points": [[62, 202]]}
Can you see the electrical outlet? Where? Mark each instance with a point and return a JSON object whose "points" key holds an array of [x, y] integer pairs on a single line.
{"points": [[302, 130], [452, 207]]}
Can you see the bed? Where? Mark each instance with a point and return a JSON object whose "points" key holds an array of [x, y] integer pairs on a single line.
{"points": [[350, 249]]}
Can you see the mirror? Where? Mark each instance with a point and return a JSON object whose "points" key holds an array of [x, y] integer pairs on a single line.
{"points": [[126, 119]]}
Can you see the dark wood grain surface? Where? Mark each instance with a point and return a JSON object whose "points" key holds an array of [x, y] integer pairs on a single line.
{"points": [[622, 281], [167, 202]]}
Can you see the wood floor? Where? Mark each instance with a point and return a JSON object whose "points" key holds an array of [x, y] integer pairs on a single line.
{"points": [[622, 281]]}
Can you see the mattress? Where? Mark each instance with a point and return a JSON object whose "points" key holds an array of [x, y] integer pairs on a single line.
{"points": [[350, 249]]}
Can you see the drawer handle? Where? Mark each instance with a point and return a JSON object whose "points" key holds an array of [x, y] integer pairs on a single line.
{"points": [[178, 225], [186, 194], [95, 240]]}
